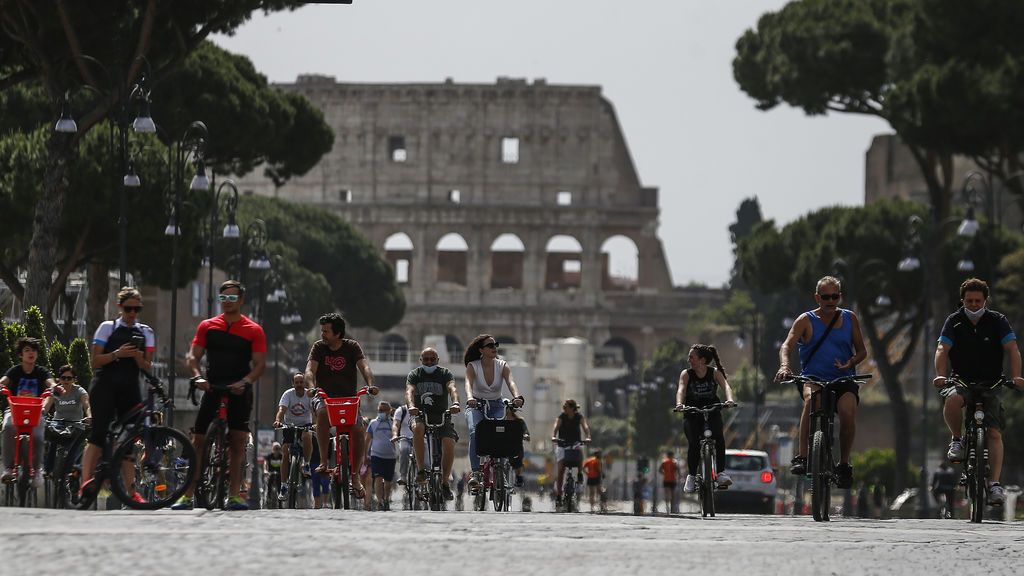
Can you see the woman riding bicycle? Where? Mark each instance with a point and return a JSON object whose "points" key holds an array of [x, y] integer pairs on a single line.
{"points": [[570, 427], [698, 387], [120, 348], [486, 374]]}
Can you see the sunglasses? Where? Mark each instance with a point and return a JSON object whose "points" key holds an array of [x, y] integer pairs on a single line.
{"points": [[228, 297], [67, 378], [491, 345], [135, 309], [829, 296]]}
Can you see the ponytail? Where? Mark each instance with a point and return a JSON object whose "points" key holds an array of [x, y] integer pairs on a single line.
{"points": [[709, 354], [718, 361]]}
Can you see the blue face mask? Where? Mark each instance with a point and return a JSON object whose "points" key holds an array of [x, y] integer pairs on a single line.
{"points": [[382, 416], [429, 369]]}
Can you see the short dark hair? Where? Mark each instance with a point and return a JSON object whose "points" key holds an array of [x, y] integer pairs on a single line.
{"points": [[669, 454], [127, 293], [67, 368], [974, 285], [26, 342], [229, 284], [336, 321]]}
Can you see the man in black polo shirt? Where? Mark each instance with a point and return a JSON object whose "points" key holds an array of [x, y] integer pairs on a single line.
{"points": [[972, 343], [236, 349]]}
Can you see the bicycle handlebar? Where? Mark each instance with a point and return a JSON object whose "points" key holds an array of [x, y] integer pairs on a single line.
{"points": [[287, 426], [800, 379], [320, 393], [568, 446], [706, 409], [982, 386]]}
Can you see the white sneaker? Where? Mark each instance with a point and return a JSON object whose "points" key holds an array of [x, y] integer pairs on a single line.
{"points": [[688, 485], [996, 497], [723, 480], [955, 453]]}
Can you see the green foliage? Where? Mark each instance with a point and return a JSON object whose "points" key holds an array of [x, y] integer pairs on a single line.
{"points": [[334, 266], [878, 466], [58, 356], [12, 332], [607, 433], [78, 357], [655, 425], [34, 328]]}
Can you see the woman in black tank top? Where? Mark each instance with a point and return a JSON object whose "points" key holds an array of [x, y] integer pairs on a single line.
{"points": [[567, 431], [698, 386]]}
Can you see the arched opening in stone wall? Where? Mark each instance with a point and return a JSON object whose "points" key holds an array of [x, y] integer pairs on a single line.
{"points": [[507, 253], [564, 263], [398, 252], [394, 348], [620, 263], [626, 347], [456, 350], [451, 259]]}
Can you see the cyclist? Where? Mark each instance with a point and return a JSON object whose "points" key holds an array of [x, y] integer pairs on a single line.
{"points": [[332, 366], [117, 357], [971, 346], [380, 451], [272, 465], [831, 346], [295, 408], [485, 375], [698, 387], [26, 379], [944, 483], [235, 348], [401, 434], [426, 388], [570, 427], [71, 406], [592, 468]]}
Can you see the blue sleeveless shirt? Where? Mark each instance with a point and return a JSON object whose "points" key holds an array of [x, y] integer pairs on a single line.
{"points": [[838, 346]]}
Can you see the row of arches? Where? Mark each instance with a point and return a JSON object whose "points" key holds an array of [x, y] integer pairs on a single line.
{"points": [[563, 266]]}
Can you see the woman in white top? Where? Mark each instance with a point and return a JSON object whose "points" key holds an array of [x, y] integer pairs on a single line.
{"points": [[486, 374]]}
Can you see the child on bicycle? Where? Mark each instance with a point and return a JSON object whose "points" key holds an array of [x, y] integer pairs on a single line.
{"points": [[25, 379]]}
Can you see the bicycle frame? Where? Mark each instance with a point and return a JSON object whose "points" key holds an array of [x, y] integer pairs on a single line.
{"points": [[570, 486], [295, 456], [25, 414], [707, 474], [433, 454], [500, 488], [343, 413]]}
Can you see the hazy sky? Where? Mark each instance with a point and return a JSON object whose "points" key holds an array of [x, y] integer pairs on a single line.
{"points": [[665, 65]]}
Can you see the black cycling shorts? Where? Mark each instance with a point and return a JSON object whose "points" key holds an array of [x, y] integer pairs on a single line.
{"points": [[839, 390], [109, 401], [995, 414], [288, 435], [239, 409], [446, 431]]}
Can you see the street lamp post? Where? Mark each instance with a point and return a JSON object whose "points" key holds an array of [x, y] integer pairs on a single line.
{"points": [[255, 241], [191, 145], [231, 230]]}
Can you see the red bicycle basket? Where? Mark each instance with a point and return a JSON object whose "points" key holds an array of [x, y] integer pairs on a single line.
{"points": [[342, 412], [25, 412]]}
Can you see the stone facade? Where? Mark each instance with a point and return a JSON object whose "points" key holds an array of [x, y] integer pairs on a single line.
{"points": [[470, 191]]}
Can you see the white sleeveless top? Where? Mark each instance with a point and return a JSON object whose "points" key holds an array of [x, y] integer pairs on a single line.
{"points": [[481, 390]]}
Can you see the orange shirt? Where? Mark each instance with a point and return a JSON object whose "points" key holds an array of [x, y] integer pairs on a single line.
{"points": [[668, 470], [592, 467]]}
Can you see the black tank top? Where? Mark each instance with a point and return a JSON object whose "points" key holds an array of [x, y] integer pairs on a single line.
{"points": [[702, 392], [122, 370], [569, 429]]}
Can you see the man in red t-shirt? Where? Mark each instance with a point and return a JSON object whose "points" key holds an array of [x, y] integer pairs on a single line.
{"points": [[332, 366], [236, 351], [670, 475]]}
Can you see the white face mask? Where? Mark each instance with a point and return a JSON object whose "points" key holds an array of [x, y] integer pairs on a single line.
{"points": [[429, 369], [975, 316], [382, 416]]}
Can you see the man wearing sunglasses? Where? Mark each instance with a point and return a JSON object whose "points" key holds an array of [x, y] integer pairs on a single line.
{"points": [[235, 348], [830, 346]]}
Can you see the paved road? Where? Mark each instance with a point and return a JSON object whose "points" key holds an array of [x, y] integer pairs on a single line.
{"points": [[348, 542]]}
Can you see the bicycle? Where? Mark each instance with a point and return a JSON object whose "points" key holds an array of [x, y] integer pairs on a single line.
{"points": [[25, 414], [272, 481], [295, 478], [410, 501], [821, 463], [64, 480], [975, 466], [497, 441], [163, 458], [343, 414], [212, 488], [433, 494], [572, 477], [707, 473]]}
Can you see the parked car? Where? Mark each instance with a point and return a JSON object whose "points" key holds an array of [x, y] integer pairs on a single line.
{"points": [[754, 483]]}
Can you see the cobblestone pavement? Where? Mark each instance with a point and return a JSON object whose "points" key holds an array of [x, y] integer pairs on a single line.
{"points": [[349, 542]]}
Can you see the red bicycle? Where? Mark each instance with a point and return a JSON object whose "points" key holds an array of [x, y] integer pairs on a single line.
{"points": [[25, 414], [343, 413]]}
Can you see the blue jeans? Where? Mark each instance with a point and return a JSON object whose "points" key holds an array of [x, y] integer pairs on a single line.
{"points": [[495, 410]]}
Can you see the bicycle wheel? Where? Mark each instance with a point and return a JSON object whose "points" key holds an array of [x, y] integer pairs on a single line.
{"points": [[498, 492], [707, 486], [976, 484], [23, 478], [568, 488], [211, 469], [820, 489], [164, 460], [346, 480], [434, 496], [294, 475]]}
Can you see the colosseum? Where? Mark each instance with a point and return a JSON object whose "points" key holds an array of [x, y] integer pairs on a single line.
{"points": [[511, 208]]}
